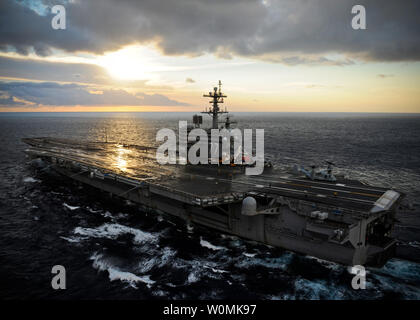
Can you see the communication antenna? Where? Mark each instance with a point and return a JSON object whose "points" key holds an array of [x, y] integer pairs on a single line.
{"points": [[216, 98]]}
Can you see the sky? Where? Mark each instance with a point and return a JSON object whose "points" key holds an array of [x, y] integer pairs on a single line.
{"points": [[155, 55]]}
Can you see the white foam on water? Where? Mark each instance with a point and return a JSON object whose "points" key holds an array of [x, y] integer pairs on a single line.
{"points": [[316, 290], [30, 180], [160, 258], [101, 264], [108, 214], [279, 263], [113, 230], [210, 246], [216, 270], [400, 269], [122, 215], [195, 268], [72, 240], [409, 292], [70, 207], [249, 255], [328, 264], [193, 277], [160, 293], [280, 297]]}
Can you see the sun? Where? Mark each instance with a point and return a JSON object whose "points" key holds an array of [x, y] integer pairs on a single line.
{"points": [[129, 63]]}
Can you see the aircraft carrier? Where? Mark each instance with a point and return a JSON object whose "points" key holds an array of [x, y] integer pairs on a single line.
{"points": [[310, 212]]}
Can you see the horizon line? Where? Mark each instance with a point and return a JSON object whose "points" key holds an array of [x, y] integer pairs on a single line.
{"points": [[365, 112]]}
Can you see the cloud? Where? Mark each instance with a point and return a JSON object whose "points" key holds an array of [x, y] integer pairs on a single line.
{"points": [[308, 60], [285, 31], [312, 86], [52, 71], [189, 80], [8, 100], [81, 73], [55, 94], [383, 76]]}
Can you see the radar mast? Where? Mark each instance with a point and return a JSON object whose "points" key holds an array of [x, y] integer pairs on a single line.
{"points": [[214, 111]]}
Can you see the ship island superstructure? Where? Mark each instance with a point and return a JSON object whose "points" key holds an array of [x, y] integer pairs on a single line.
{"points": [[340, 220]]}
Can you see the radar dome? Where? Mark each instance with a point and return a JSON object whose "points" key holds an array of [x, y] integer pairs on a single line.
{"points": [[249, 206]]}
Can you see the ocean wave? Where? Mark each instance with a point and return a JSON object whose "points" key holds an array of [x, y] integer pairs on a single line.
{"points": [[114, 230], [72, 240], [158, 259], [208, 245], [280, 263], [101, 264], [193, 277], [328, 264], [70, 207], [316, 290], [388, 285], [401, 269], [249, 255], [216, 270]]}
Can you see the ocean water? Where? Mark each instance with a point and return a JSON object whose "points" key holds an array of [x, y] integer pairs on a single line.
{"points": [[114, 250]]}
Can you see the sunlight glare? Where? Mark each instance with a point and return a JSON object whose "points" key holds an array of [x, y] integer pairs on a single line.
{"points": [[121, 159], [129, 63]]}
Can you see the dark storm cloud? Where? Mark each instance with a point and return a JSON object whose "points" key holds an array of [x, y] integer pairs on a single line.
{"points": [[52, 71], [286, 31], [54, 94]]}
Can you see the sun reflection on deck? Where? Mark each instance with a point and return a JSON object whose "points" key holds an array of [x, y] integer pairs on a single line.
{"points": [[121, 159]]}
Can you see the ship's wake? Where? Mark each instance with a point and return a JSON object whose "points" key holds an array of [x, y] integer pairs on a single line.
{"points": [[163, 260]]}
